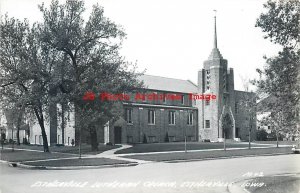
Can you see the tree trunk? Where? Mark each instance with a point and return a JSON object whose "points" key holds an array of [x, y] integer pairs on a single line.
{"points": [[63, 123], [94, 141], [224, 139], [18, 135], [13, 141], [39, 115], [249, 139], [18, 126], [277, 140]]}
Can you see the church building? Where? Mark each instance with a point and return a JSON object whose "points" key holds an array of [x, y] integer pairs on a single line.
{"points": [[164, 119], [228, 116]]}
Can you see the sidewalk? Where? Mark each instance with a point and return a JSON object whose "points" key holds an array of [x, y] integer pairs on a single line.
{"points": [[111, 155], [36, 159]]}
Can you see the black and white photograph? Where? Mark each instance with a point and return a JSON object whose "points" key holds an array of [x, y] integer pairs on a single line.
{"points": [[150, 96]]}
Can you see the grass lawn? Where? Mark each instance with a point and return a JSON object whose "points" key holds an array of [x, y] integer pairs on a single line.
{"points": [[208, 154], [276, 184], [85, 149], [20, 155], [78, 162], [179, 146], [280, 142]]}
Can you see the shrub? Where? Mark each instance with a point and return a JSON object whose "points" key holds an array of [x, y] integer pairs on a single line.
{"points": [[109, 143], [11, 141], [145, 139], [261, 135], [167, 137], [25, 141]]}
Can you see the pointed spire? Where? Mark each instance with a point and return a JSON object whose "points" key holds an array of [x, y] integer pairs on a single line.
{"points": [[215, 53], [215, 38]]}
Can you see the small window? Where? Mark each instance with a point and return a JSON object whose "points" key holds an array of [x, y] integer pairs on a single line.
{"points": [[164, 98], [40, 140], [143, 97], [172, 117], [182, 99], [190, 118], [207, 124], [236, 108], [207, 102], [207, 88], [128, 116], [151, 117], [69, 119]]}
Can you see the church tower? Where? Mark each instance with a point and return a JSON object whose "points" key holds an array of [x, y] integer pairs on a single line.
{"points": [[216, 119]]}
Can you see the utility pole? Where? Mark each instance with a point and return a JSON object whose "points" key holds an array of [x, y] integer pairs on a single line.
{"points": [[224, 139], [249, 138], [184, 134], [79, 142], [185, 143], [12, 136], [250, 127]]}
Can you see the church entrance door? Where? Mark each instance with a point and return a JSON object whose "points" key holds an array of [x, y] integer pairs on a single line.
{"points": [[118, 135], [227, 126]]}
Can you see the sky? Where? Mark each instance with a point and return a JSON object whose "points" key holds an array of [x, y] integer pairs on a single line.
{"points": [[172, 38]]}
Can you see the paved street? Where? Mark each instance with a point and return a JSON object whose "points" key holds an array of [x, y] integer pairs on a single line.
{"points": [[149, 177]]}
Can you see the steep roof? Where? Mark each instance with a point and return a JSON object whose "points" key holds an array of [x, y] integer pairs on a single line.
{"points": [[168, 84], [215, 54], [266, 104]]}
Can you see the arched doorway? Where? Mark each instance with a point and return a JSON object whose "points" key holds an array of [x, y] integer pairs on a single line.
{"points": [[227, 126]]}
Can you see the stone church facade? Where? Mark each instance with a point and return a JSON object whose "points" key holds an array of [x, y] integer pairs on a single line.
{"points": [[227, 117]]}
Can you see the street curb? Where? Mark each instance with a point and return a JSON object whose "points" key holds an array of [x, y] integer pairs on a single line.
{"points": [[16, 164], [226, 157], [237, 188], [4, 162]]}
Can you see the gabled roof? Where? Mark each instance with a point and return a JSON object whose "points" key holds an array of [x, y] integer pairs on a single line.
{"points": [[265, 104], [168, 84]]}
